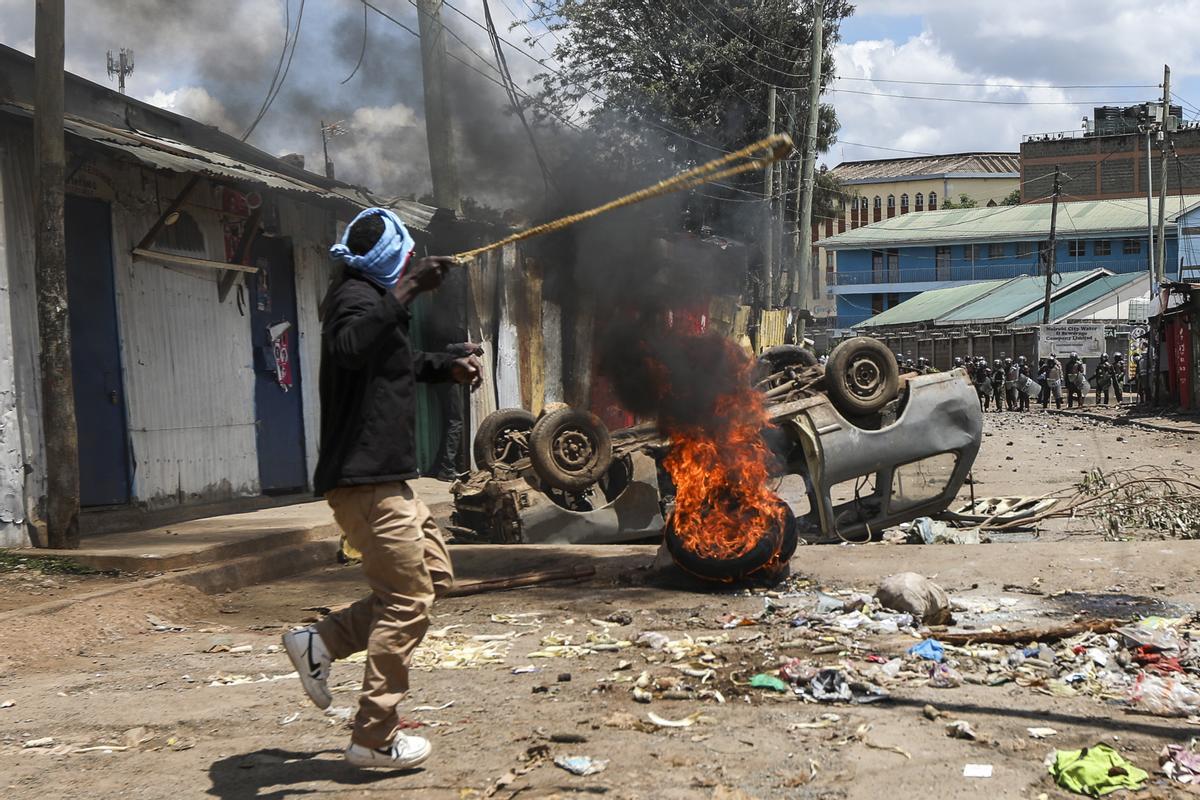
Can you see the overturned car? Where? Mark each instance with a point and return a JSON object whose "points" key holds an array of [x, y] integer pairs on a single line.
{"points": [[870, 448]]}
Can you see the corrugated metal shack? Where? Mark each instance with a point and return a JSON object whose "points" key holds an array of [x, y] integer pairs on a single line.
{"points": [[195, 376]]}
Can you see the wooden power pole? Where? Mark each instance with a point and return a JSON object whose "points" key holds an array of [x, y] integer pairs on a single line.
{"points": [[768, 276], [1051, 248], [50, 256], [803, 252], [439, 129], [1161, 254]]}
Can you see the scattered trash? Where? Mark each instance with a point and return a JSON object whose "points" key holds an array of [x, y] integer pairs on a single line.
{"points": [[1167, 697], [241, 648], [46, 741], [641, 695], [824, 721], [931, 713], [8, 704], [832, 686], [944, 676], [568, 738], [910, 593], [161, 625], [652, 639], [1041, 733], [620, 618], [290, 718], [339, 714], [860, 735], [1095, 771], [564, 677], [581, 765], [924, 530], [1180, 763], [764, 681], [977, 771], [930, 650], [686, 722], [527, 670], [623, 720], [442, 707], [961, 729]]}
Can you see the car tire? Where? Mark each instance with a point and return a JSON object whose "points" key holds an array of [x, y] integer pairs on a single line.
{"points": [[491, 447], [570, 449], [780, 357], [861, 376], [743, 568]]}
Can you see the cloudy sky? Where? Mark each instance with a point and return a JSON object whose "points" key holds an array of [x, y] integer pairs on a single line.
{"points": [[213, 60]]}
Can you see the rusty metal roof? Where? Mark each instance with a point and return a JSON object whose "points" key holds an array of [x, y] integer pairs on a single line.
{"points": [[1000, 165], [175, 156]]}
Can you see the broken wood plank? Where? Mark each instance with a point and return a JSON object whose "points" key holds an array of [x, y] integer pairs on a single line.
{"points": [[576, 573], [140, 254], [1052, 633], [176, 204]]}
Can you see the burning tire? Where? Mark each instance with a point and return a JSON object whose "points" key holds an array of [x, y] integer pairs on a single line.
{"points": [[503, 437], [861, 376], [766, 561], [570, 449]]}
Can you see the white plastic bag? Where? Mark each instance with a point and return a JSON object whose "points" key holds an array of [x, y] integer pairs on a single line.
{"points": [[1166, 697]]}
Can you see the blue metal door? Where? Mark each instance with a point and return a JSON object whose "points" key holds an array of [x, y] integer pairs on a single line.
{"points": [[96, 355], [279, 413]]}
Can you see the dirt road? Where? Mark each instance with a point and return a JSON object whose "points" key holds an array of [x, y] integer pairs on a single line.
{"points": [[175, 706]]}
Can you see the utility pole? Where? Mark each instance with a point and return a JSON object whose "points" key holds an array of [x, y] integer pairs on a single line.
{"points": [[1149, 205], [768, 278], [803, 257], [1161, 253], [1053, 245], [119, 66], [50, 256], [439, 129]]}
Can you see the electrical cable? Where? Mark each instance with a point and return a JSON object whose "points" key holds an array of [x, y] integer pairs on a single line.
{"points": [[362, 52], [989, 102], [287, 34], [1009, 85], [283, 77]]}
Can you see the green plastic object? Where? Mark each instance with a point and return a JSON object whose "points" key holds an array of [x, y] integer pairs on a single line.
{"points": [[764, 681], [1095, 771]]}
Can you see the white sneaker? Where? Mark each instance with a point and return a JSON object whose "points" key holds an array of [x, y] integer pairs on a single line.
{"points": [[404, 752], [311, 659]]}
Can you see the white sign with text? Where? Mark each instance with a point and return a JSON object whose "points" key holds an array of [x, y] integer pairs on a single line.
{"points": [[1062, 340]]}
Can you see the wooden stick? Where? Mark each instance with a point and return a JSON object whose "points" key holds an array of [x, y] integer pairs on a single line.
{"points": [[1051, 634], [773, 148], [576, 573]]}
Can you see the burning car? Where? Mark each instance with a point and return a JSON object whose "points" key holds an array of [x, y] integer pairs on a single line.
{"points": [[871, 447]]}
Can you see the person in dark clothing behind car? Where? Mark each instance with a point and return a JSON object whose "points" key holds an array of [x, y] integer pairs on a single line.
{"points": [[367, 456]]}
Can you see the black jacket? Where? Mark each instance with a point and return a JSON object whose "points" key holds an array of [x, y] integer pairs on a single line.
{"points": [[368, 377]]}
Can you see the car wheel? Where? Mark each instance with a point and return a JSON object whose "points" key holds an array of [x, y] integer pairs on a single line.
{"points": [[781, 539], [570, 449], [503, 437], [861, 376]]}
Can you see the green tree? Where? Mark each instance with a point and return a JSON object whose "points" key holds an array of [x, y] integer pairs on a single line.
{"points": [[667, 84], [963, 202], [1013, 198]]}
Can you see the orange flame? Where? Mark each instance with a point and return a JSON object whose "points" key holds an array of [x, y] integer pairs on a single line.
{"points": [[723, 506]]}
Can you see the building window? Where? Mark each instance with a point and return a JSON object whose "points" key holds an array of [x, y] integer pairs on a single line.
{"points": [[942, 260], [891, 201], [854, 204], [904, 202], [995, 251], [877, 266], [1024, 249], [1076, 248], [182, 237], [1103, 247], [972, 253], [933, 201], [878, 201], [1132, 247], [920, 201], [893, 266], [815, 279], [830, 265]]}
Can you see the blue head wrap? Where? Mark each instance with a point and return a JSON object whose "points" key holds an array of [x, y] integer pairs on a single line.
{"points": [[387, 259]]}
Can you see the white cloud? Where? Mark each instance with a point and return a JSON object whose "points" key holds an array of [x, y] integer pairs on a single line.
{"points": [[194, 102], [1042, 42]]}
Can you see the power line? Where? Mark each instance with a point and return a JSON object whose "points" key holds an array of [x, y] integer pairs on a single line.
{"points": [[362, 52], [277, 85], [990, 102], [1007, 85]]}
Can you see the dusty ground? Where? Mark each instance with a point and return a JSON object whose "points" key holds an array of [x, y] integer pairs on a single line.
{"points": [[180, 723]]}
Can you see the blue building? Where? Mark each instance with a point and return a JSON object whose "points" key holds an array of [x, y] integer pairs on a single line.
{"points": [[883, 264]]}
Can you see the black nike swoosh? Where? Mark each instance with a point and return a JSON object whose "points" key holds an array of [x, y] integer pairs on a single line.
{"points": [[314, 669]]}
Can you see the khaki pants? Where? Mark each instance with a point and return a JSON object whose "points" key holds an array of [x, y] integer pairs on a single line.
{"points": [[406, 565]]}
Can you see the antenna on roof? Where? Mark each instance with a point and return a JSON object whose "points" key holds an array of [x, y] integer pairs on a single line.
{"points": [[119, 66]]}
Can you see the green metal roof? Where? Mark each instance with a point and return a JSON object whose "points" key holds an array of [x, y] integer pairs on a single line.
{"points": [[931, 305], [1004, 223], [1066, 305], [1013, 297]]}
